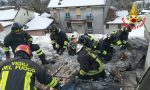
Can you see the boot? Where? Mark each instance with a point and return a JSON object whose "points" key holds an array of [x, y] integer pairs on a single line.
{"points": [[43, 60]]}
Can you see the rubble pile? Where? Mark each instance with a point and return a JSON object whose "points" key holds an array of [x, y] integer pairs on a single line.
{"points": [[121, 71]]}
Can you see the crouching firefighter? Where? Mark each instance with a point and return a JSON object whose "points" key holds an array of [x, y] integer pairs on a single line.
{"points": [[59, 40], [91, 66], [17, 37], [19, 73]]}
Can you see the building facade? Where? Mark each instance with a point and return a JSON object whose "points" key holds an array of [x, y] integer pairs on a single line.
{"points": [[81, 18]]}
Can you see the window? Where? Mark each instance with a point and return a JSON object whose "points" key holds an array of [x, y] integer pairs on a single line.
{"points": [[88, 9], [78, 12], [89, 25], [119, 26], [66, 10], [67, 15], [107, 26], [69, 25]]}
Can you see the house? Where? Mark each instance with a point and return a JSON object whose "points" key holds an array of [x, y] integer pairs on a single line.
{"points": [[38, 26], [116, 22], [8, 15], [24, 15], [81, 16]]}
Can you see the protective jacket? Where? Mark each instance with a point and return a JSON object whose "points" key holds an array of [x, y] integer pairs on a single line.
{"points": [[13, 40], [59, 41], [90, 63], [20, 74]]}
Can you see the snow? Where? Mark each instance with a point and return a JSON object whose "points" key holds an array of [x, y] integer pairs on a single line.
{"points": [[36, 14], [5, 24], [38, 23], [46, 15], [71, 3], [139, 32], [118, 20], [122, 13], [8, 14], [145, 11]]}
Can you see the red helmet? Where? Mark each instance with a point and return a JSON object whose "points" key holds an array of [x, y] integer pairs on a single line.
{"points": [[24, 48]]}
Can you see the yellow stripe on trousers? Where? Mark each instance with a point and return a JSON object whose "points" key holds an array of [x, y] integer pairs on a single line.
{"points": [[27, 81], [4, 80]]}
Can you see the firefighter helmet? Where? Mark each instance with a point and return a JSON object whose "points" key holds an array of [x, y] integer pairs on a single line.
{"points": [[24, 48], [16, 26]]}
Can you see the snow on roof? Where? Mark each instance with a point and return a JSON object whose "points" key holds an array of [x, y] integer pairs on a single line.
{"points": [[145, 11], [5, 24], [45, 15], [8, 14], [36, 14], [122, 13], [38, 23], [71, 3], [118, 20]]}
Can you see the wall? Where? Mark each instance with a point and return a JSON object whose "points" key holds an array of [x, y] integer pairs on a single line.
{"points": [[147, 36], [97, 22], [36, 32], [112, 27]]}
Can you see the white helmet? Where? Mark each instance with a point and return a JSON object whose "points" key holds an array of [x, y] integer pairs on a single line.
{"points": [[79, 47]]}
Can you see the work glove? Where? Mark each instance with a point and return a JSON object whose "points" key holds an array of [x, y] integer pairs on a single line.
{"points": [[61, 51], [123, 47]]}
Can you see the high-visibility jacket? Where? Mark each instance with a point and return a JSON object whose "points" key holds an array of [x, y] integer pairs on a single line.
{"points": [[20, 74], [59, 40], [90, 63], [13, 40]]}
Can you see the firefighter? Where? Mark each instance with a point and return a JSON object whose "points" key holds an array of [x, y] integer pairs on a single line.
{"points": [[59, 40], [91, 66], [19, 73], [104, 48], [86, 41], [122, 36], [72, 46], [91, 38], [16, 37]]}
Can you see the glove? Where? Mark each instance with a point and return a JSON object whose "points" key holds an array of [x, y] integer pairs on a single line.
{"points": [[58, 50], [123, 47], [61, 51]]}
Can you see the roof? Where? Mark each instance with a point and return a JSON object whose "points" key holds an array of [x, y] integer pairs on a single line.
{"points": [[45, 15], [145, 11], [5, 24], [72, 3], [121, 14], [8, 14], [38, 23]]}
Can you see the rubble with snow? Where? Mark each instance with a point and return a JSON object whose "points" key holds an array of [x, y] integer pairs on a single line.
{"points": [[120, 74]]}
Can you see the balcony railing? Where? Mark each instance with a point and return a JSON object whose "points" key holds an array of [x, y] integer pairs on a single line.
{"points": [[89, 17]]}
